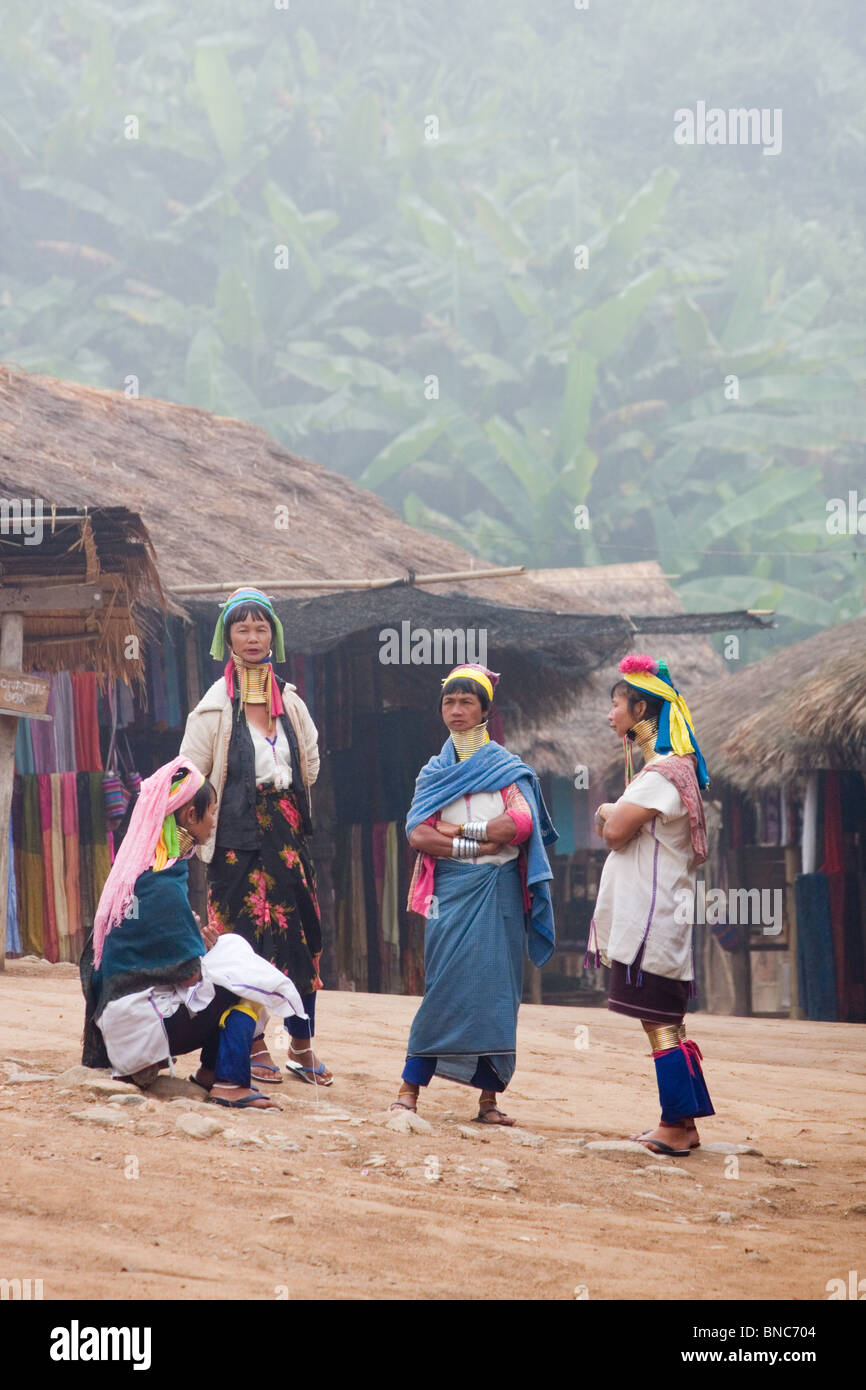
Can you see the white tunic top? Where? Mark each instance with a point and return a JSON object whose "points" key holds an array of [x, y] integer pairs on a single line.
{"points": [[133, 1026], [647, 888], [273, 761], [480, 806]]}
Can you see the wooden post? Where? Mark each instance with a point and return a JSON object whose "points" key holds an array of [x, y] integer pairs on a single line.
{"points": [[11, 653], [193, 684], [792, 868]]}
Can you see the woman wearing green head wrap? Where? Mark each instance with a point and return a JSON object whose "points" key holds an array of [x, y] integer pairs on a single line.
{"points": [[252, 734]]}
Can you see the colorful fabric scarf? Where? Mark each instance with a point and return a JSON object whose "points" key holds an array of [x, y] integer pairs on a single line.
{"points": [[13, 939], [69, 821], [24, 760], [676, 732], [85, 850], [58, 868], [43, 737], [147, 840], [274, 699], [51, 944], [680, 771], [32, 890], [87, 755], [64, 723], [100, 848], [443, 779]]}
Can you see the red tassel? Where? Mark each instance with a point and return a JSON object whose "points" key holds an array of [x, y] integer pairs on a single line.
{"points": [[693, 1055]]}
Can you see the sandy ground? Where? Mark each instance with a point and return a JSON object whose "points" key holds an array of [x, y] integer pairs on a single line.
{"points": [[321, 1200]]}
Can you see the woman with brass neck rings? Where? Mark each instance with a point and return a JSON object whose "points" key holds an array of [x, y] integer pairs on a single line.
{"points": [[252, 734], [642, 926], [481, 878]]}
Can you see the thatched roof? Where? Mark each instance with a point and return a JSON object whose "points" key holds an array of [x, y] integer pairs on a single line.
{"points": [[801, 708], [210, 490], [544, 654], [96, 573], [581, 737]]}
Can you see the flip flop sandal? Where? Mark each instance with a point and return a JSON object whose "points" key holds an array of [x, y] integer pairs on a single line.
{"points": [[243, 1104], [266, 1066], [659, 1147], [201, 1084], [399, 1104], [636, 1138], [311, 1073], [492, 1109]]}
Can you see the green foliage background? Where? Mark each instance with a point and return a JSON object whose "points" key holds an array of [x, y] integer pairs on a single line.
{"points": [[560, 384]]}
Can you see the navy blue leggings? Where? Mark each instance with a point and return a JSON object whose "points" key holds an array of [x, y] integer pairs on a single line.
{"points": [[299, 1028], [226, 1050], [418, 1071]]}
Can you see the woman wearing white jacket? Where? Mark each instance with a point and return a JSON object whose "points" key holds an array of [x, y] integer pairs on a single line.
{"points": [[252, 735]]}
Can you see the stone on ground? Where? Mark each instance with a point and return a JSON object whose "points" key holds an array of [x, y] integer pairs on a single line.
{"points": [[198, 1126], [104, 1115], [407, 1122]]}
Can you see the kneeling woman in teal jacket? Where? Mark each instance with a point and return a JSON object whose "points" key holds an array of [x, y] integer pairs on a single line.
{"points": [[159, 987]]}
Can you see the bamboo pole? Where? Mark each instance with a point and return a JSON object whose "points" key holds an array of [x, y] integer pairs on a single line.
{"points": [[61, 639], [455, 575], [11, 653]]}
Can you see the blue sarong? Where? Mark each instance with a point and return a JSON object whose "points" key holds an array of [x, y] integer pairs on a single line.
{"points": [[473, 962]]}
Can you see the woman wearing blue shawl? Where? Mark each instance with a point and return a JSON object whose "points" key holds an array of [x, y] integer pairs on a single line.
{"points": [[480, 826]]}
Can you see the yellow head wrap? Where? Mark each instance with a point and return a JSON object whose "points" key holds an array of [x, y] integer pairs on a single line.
{"points": [[474, 674]]}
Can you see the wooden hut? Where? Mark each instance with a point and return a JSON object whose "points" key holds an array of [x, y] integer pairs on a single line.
{"points": [[581, 763], [785, 741], [224, 504], [79, 591]]}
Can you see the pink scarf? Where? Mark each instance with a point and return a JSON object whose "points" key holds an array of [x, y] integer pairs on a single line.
{"points": [[155, 801], [681, 772], [276, 697]]}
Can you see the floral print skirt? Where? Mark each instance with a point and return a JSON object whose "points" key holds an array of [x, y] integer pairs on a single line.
{"points": [[268, 894]]}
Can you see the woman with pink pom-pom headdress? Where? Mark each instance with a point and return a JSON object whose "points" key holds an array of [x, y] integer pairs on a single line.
{"points": [[642, 926]]}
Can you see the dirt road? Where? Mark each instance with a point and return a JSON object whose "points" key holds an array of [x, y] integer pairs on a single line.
{"points": [[321, 1200]]}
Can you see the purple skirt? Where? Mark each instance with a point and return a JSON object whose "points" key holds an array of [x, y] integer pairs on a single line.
{"points": [[657, 998]]}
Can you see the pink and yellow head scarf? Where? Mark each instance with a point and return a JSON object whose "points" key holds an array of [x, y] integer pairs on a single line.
{"points": [[150, 842]]}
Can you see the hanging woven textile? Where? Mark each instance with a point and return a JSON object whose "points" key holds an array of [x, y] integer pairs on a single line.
{"points": [[25, 762], [31, 893], [87, 753], [125, 705], [64, 723], [58, 869], [13, 939], [50, 951], [69, 821], [85, 850], [101, 851], [43, 737]]}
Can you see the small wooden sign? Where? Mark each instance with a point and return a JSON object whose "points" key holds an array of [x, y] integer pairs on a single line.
{"points": [[24, 694]]}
